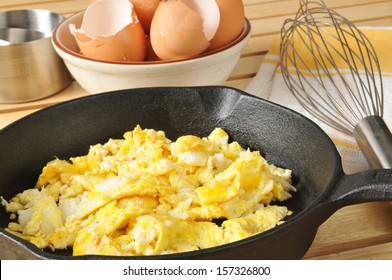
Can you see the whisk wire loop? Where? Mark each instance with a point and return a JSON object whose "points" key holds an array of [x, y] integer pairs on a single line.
{"points": [[301, 83], [315, 47], [323, 59]]}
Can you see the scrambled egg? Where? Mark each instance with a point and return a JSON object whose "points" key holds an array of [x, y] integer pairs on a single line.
{"points": [[147, 195]]}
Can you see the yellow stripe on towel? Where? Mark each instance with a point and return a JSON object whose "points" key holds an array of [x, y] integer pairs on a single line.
{"points": [[345, 144], [378, 37]]}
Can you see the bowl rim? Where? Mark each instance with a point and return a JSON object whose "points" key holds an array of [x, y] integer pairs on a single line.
{"points": [[244, 34]]}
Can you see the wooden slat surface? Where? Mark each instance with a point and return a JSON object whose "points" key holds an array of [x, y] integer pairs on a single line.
{"points": [[361, 231]]}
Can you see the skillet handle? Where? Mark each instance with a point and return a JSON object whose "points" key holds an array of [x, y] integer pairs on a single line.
{"points": [[367, 186]]}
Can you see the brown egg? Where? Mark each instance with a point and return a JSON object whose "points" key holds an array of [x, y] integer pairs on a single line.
{"points": [[145, 10], [111, 31], [183, 28], [232, 18]]}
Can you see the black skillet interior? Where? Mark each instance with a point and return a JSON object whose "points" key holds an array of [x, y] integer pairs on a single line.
{"points": [[284, 137]]}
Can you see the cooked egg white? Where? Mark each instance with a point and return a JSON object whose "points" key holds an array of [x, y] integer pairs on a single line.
{"points": [[147, 195]]}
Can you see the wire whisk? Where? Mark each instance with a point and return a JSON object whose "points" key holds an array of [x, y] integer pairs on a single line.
{"points": [[332, 69]]}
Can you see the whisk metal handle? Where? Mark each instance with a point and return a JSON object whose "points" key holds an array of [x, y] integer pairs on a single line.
{"points": [[375, 141]]}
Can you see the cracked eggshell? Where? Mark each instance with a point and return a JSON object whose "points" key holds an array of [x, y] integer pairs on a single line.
{"points": [[183, 28], [232, 17], [145, 10], [111, 31]]}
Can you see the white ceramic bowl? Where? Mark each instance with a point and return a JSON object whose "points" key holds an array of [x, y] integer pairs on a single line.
{"points": [[100, 76]]}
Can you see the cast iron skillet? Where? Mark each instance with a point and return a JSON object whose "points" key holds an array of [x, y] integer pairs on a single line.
{"points": [[285, 138]]}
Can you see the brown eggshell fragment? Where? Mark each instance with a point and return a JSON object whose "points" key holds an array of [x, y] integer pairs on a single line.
{"points": [[111, 31], [120, 47], [145, 10], [232, 16], [178, 31]]}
